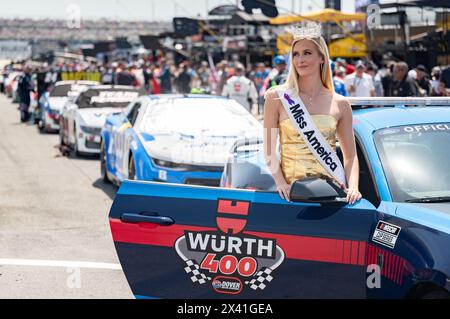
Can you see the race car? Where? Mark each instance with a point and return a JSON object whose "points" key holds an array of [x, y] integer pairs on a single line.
{"points": [[184, 241], [11, 85], [83, 117], [52, 102], [174, 138]]}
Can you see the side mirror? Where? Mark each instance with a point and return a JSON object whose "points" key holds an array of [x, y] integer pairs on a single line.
{"points": [[316, 190]]}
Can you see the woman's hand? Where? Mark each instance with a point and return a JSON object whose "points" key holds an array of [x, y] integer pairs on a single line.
{"points": [[284, 189], [353, 195]]}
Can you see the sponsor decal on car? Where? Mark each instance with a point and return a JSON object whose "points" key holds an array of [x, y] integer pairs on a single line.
{"points": [[229, 259], [386, 234]]}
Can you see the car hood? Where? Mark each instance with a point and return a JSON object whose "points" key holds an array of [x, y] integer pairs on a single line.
{"points": [[434, 215], [95, 117], [211, 148], [57, 103]]}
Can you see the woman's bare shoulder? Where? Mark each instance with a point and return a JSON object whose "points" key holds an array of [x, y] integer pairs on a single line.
{"points": [[271, 94], [272, 98], [342, 102]]}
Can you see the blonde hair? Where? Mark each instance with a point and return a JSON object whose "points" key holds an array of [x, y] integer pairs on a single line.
{"points": [[292, 81]]}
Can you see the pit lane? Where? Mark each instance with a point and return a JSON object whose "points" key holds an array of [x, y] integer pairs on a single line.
{"points": [[55, 240]]}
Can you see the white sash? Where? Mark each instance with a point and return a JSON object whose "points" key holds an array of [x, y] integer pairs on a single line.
{"points": [[317, 144]]}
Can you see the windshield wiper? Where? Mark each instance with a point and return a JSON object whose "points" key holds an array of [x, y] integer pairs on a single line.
{"points": [[441, 199]]}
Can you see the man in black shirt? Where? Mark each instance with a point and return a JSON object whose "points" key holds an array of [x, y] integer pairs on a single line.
{"points": [[423, 80], [445, 77], [401, 85]]}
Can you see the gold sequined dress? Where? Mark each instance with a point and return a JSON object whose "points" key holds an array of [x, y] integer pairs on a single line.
{"points": [[297, 161]]}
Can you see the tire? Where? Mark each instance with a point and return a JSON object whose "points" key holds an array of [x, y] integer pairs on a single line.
{"points": [[103, 169], [131, 169], [75, 147]]}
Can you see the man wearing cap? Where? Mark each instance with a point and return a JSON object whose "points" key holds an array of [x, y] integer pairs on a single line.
{"points": [[279, 77], [422, 80], [359, 83], [241, 89]]}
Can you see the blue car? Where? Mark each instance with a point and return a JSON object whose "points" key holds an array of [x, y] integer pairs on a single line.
{"points": [[181, 139], [244, 241]]}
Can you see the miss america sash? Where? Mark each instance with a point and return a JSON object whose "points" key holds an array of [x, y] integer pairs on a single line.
{"points": [[317, 144]]}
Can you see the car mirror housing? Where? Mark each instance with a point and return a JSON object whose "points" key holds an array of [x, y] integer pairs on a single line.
{"points": [[316, 190]]}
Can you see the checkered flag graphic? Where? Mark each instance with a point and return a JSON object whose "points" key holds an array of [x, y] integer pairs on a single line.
{"points": [[193, 270], [261, 279]]}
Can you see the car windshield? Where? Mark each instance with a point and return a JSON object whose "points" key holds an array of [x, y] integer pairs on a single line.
{"points": [[67, 90], [198, 115], [415, 160], [105, 98]]}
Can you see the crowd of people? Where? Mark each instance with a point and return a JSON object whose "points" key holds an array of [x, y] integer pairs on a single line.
{"points": [[159, 74]]}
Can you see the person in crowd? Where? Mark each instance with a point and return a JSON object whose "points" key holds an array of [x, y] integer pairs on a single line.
{"points": [[126, 77], [25, 87], [359, 83], [184, 79], [165, 77], [338, 83], [445, 77], [372, 70], [242, 89], [204, 75], [422, 80], [401, 85]]}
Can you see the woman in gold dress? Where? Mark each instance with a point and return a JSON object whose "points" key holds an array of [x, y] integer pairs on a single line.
{"points": [[310, 76]]}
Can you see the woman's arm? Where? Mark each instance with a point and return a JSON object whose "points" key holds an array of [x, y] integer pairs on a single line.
{"points": [[346, 138], [271, 128]]}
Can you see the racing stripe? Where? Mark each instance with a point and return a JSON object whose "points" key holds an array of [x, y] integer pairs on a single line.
{"points": [[393, 266], [295, 247]]}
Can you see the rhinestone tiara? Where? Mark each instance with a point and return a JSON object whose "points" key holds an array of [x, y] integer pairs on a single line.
{"points": [[309, 30]]}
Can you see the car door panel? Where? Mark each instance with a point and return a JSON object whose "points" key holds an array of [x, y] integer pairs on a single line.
{"points": [[293, 250]]}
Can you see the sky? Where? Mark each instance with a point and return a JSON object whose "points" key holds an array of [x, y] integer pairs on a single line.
{"points": [[139, 9]]}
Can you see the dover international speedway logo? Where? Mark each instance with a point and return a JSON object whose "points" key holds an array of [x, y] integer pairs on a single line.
{"points": [[227, 259]]}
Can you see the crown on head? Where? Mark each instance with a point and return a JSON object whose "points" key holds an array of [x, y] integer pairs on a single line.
{"points": [[309, 30]]}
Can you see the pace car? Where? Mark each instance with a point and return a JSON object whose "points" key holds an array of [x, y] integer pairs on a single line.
{"points": [[52, 102], [184, 241], [181, 139], [82, 118]]}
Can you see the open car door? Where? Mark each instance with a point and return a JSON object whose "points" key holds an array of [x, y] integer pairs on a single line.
{"points": [[180, 241]]}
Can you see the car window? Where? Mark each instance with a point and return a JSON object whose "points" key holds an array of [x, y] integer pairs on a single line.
{"points": [[132, 116], [366, 183], [415, 160], [103, 98]]}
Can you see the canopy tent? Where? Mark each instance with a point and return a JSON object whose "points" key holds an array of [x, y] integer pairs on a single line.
{"points": [[323, 16]]}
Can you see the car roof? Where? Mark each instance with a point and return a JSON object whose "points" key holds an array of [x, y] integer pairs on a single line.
{"points": [[59, 83], [382, 117], [106, 87], [185, 96]]}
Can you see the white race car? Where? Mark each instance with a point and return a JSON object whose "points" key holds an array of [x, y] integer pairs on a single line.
{"points": [[83, 117], [52, 102]]}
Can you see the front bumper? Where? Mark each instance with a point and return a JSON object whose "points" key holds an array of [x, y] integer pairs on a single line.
{"points": [[88, 143]]}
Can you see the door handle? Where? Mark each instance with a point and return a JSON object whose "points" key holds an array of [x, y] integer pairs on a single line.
{"points": [[141, 218]]}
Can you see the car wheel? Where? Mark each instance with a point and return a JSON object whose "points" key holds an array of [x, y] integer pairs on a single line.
{"points": [[103, 170], [131, 169]]}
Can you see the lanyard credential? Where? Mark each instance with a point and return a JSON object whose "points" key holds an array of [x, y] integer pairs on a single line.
{"points": [[317, 144]]}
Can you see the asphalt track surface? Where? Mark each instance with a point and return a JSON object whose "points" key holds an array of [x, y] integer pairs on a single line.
{"points": [[55, 240]]}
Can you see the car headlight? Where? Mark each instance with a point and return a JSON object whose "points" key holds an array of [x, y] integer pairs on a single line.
{"points": [[91, 130], [171, 165]]}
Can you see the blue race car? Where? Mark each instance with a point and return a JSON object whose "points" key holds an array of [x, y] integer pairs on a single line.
{"points": [[174, 139], [183, 241]]}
